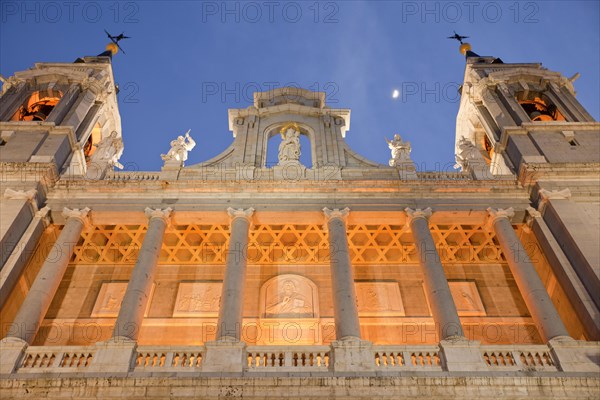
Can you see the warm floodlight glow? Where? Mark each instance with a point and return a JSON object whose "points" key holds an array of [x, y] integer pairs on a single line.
{"points": [[395, 94]]}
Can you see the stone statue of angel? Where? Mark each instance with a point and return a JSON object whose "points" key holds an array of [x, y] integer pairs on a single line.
{"points": [[400, 150], [466, 153], [179, 148], [109, 150]]}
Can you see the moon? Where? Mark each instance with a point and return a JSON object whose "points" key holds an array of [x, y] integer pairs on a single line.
{"points": [[395, 94]]}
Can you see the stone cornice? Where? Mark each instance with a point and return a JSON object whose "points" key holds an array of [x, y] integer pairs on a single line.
{"points": [[299, 109]]}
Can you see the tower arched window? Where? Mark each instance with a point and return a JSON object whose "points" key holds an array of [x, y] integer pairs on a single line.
{"points": [[38, 106], [89, 148], [539, 108]]}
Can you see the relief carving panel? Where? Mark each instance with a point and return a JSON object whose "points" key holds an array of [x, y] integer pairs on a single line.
{"points": [[379, 299], [467, 299], [110, 297], [198, 299]]}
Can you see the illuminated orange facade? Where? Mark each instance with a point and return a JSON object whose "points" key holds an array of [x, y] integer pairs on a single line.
{"points": [[344, 269]]}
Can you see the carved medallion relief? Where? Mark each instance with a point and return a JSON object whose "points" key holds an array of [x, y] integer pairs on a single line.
{"points": [[289, 296]]}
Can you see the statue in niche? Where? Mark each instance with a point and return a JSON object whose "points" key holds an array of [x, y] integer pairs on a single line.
{"points": [[179, 148], [289, 148], [290, 302], [109, 150], [400, 150]]}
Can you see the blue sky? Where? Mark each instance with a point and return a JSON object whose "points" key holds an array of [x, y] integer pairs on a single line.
{"points": [[188, 62]]}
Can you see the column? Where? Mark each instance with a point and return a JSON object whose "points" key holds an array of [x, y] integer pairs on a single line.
{"points": [[436, 284], [65, 104], [347, 325], [37, 302], [529, 283], [14, 95], [80, 109], [131, 314], [232, 296]]}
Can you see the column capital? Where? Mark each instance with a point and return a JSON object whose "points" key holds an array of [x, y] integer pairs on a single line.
{"points": [[495, 214], [81, 214], [336, 213], [44, 215], [547, 195], [28, 195], [532, 214], [418, 213], [240, 213], [164, 214], [20, 194]]}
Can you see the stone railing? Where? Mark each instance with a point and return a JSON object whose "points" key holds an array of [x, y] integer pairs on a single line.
{"points": [[132, 176], [59, 359], [287, 358], [519, 358], [168, 358], [416, 357], [443, 176]]}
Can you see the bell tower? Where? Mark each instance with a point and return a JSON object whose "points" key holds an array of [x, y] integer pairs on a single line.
{"points": [[57, 121], [57, 113], [522, 114], [526, 123]]}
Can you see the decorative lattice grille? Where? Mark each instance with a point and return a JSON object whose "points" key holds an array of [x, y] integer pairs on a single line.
{"points": [[287, 244]]}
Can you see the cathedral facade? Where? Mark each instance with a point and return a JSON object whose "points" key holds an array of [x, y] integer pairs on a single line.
{"points": [[345, 278]]}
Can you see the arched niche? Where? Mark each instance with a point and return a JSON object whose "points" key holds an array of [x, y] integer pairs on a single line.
{"points": [[275, 130]]}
